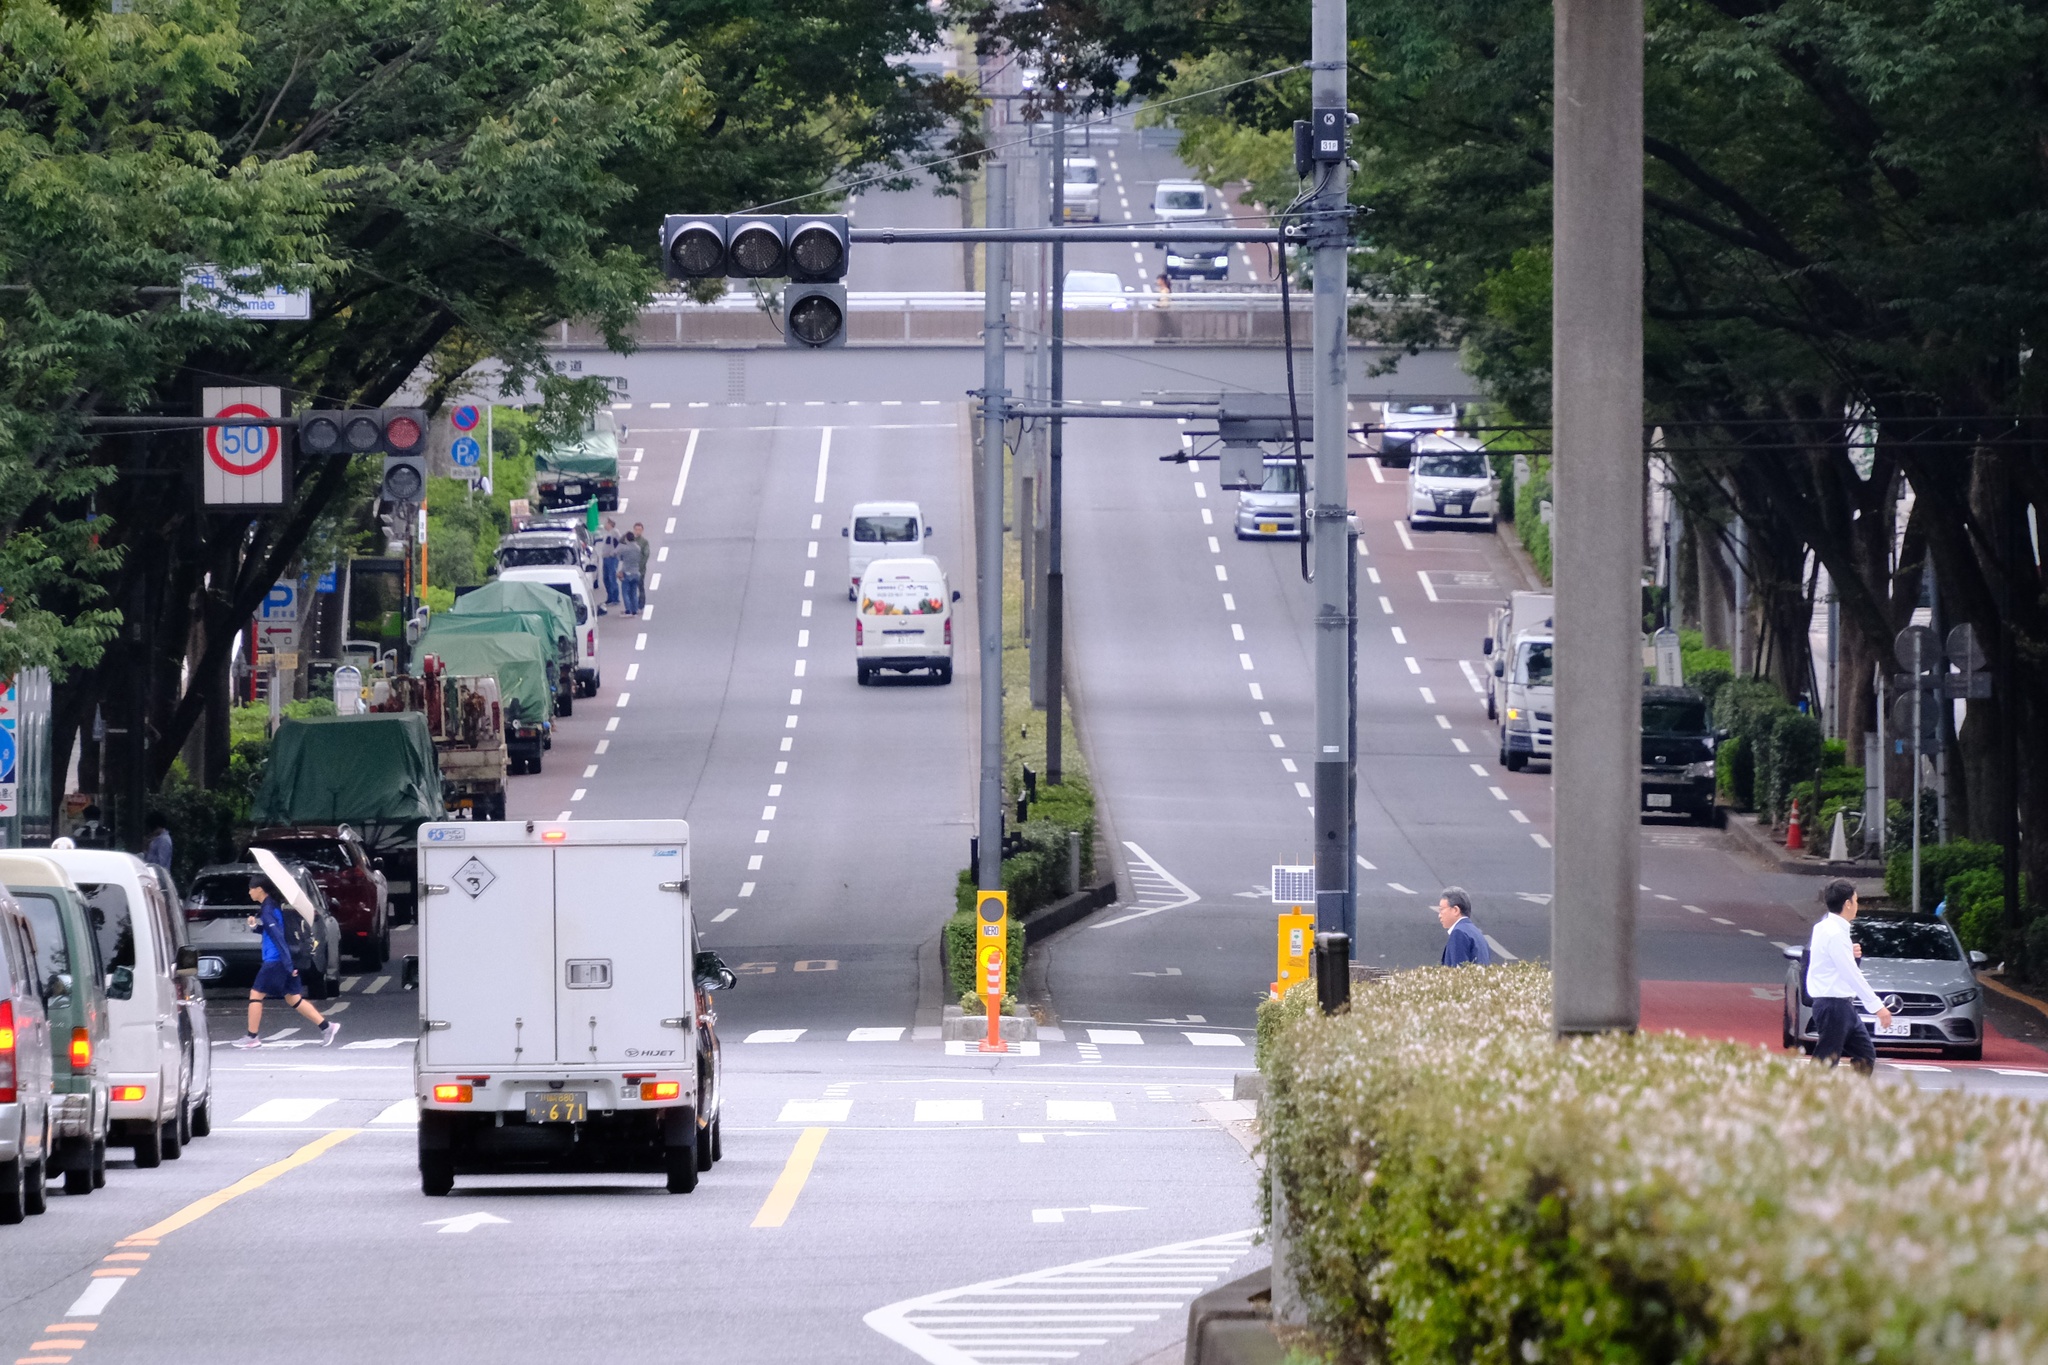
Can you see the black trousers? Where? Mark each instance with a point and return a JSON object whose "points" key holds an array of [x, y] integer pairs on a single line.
{"points": [[1841, 1031]]}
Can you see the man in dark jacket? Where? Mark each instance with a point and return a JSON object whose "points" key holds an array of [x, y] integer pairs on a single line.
{"points": [[278, 976], [1465, 944]]}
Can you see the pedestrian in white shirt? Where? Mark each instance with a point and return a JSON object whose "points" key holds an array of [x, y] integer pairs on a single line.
{"points": [[1836, 984]]}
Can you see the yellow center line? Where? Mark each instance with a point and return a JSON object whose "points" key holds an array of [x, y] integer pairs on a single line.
{"points": [[199, 1208], [775, 1209]]}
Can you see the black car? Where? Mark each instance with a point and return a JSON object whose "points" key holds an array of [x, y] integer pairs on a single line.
{"points": [[1679, 740]]}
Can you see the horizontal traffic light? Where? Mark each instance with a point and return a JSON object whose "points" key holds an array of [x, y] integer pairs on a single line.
{"points": [[363, 431], [812, 248]]}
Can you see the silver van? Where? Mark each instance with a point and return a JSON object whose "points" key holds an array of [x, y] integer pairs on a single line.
{"points": [[25, 1103]]}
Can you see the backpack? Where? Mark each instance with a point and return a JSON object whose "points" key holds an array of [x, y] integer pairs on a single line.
{"points": [[298, 938]]}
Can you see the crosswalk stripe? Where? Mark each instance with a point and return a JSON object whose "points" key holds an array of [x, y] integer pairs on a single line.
{"points": [[815, 1111], [405, 1111], [948, 1111], [773, 1035], [1124, 1037], [1054, 1314], [371, 1043], [875, 1035]]}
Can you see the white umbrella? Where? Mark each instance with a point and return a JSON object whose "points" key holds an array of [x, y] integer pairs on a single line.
{"points": [[281, 878]]}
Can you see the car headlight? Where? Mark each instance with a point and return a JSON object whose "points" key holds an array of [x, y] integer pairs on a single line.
{"points": [[1963, 997], [1705, 769]]}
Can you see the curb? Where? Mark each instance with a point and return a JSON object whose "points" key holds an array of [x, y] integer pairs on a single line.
{"points": [[1761, 844], [1232, 1324], [1044, 923], [2038, 1005]]}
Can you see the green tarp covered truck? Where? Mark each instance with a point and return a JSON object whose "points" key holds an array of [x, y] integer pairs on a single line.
{"points": [[524, 665]]}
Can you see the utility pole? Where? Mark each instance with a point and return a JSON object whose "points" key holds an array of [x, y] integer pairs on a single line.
{"points": [[1597, 339], [1329, 235], [994, 335], [1055, 562]]}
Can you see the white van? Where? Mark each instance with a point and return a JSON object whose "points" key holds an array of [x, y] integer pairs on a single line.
{"points": [[565, 1010], [159, 1055], [904, 620], [1450, 479], [564, 578], [894, 529]]}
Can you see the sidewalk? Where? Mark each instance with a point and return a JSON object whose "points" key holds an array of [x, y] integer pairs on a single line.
{"points": [[1756, 839]]}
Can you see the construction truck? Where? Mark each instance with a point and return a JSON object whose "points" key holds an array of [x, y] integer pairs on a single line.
{"points": [[468, 729]]}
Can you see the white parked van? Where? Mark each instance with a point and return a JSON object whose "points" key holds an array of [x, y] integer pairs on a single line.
{"points": [[891, 529], [563, 578], [565, 1014], [905, 620], [1450, 479], [159, 1056]]}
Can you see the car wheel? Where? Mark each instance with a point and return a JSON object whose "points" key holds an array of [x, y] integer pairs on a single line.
{"points": [[13, 1190], [706, 1153], [849, 594], [99, 1164], [149, 1146], [185, 1097], [1515, 762], [168, 1139], [202, 1117], [1492, 712], [943, 674], [437, 1173], [566, 706], [863, 674], [37, 1189], [717, 1143], [679, 1163]]}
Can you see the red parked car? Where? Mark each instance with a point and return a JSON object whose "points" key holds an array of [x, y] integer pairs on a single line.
{"points": [[355, 888]]}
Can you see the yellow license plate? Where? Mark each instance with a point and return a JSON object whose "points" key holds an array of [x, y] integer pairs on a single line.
{"points": [[1267, 528], [557, 1106]]}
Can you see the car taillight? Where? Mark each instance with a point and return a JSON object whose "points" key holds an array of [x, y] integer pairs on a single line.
{"points": [[858, 633], [660, 1090], [128, 1094], [949, 631], [590, 639], [452, 1094], [7, 1095], [81, 1049]]}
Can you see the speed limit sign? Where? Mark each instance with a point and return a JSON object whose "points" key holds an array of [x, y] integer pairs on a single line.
{"points": [[244, 465]]}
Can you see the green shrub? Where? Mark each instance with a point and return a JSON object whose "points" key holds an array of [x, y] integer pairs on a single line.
{"points": [[1734, 768], [1792, 751], [1275, 1015], [1898, 820], [1976, 906], [1749, 710], [1462, 1187], [1708, 682], [1699, 660], [1529, 500], [1841, 788], [1939, 865]]}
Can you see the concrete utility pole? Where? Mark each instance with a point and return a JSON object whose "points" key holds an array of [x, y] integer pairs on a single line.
{"points": [[1329, 236], [1597, 339], [989, 607], [1055, 555]]}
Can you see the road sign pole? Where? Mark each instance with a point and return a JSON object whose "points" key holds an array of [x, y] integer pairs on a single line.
{"points": [[1597, 342], [1919, 700], [1055, 550], [995, 302], [1330, 237]]}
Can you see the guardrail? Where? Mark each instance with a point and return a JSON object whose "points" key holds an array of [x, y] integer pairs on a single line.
{"points": [[1194, 317]]}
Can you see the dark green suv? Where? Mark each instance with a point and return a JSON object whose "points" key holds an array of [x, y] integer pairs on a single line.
{"points": [[75, 994]]}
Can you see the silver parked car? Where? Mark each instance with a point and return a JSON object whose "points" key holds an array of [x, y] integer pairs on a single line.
{"points": [[1919, 970], [218, 911], [1270, 511]]}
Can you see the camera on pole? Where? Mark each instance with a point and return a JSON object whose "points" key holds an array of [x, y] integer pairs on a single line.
{"points": [[810, 250]]}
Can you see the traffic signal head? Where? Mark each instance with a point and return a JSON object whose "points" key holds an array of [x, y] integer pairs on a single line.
{"points": [[814, 315], [405, 479], [693, 246], [364, 431], [754, 248], [817, 247]]}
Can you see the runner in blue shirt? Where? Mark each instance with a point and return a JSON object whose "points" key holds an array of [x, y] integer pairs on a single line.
{"points": [[277, 976]]}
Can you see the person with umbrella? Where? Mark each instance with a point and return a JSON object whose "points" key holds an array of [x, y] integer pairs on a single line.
{"points": [[278, 977]]}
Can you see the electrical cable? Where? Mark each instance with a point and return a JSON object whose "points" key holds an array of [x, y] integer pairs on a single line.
{"points": [[1293, 404]]}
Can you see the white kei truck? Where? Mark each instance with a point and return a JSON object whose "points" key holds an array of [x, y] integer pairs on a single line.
{"points": [[565, 1007]]}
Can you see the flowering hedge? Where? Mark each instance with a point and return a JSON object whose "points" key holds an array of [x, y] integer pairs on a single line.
{"points": [[1463, 1188]]}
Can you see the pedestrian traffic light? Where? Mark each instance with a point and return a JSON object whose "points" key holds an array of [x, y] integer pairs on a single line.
{"points": [[814, 315], [363, 431]]}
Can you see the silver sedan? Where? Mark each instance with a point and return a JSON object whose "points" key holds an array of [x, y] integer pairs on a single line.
{"points": [[1919, 969]]}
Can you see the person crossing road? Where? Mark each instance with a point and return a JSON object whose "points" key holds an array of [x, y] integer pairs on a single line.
{"points": [[1837, 985], [278, 977]]}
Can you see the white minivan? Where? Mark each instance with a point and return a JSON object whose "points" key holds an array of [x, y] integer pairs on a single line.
{"points": [[905, 620], [1450, 479], [892, 529], [160, 1075], [564, 578]]}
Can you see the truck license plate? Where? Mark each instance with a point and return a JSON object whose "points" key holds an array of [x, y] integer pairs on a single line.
{"points": [[1657, 799], [557, 1106]]}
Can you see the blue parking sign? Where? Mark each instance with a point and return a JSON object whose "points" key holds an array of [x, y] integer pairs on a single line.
{"points": [[466, 452]]}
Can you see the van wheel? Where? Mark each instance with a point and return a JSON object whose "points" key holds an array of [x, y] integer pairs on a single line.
{"points": [[706, 1152], [943, 674], [566, 705], [437, 1173], [168, 1139], [862, 674], [149, 1146], [680, 1163], [849, 594], [717, 1143], [1515, 762], [202, 1117], [38, 1189], [99, 1164], [14, 1191]]}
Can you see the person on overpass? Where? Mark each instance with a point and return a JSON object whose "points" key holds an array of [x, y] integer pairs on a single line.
{"points": [[1466, 946], [1837, 985]]}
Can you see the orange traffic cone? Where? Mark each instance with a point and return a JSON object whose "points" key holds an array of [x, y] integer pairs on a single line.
{"points": [[1794, 837]]}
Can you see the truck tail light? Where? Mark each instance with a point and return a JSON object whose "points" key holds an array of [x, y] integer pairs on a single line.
{"points": [[660, 1090], [452, 1094], [81, 1049], [7, 1095], [949, 632], [128, 1094], [858, 634]]}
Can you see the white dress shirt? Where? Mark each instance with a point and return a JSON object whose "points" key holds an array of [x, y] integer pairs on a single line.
{"points": [[1831, 970]]}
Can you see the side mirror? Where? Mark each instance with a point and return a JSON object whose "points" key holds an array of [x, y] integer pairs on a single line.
{"points": [[956, 594], [1978, 959], [409, 973], [188, 961], [1794, 954], [121, 984], [845, 530], [711, 972], [929, 532], [1720, 735], [1499, 670], [726, 980], [1486, 645]]}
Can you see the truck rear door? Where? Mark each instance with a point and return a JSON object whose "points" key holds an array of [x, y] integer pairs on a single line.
{"points": [[487, 947], [625, 955]]}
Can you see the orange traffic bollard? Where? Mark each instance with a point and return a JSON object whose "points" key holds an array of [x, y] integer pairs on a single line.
{"points": [[1795, 838]]}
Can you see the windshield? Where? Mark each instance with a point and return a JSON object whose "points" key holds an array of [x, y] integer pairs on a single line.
{"points": [[217, 894], [322, 855], [1419, 409], [1674, 718], [1080, 173], [528, 556], [1282, 478], [106, 907], [1178, 200], [902, 597], [1450, 466], [885, 530], [53, 955], [1923, 940], [1533, 668], [1188, 249], [1093, 282]]}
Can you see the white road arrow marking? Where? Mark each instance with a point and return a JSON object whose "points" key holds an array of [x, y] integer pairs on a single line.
{"points": [[1170, 971], [1157, 889], [468, 1222], [1060, 1215]]}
